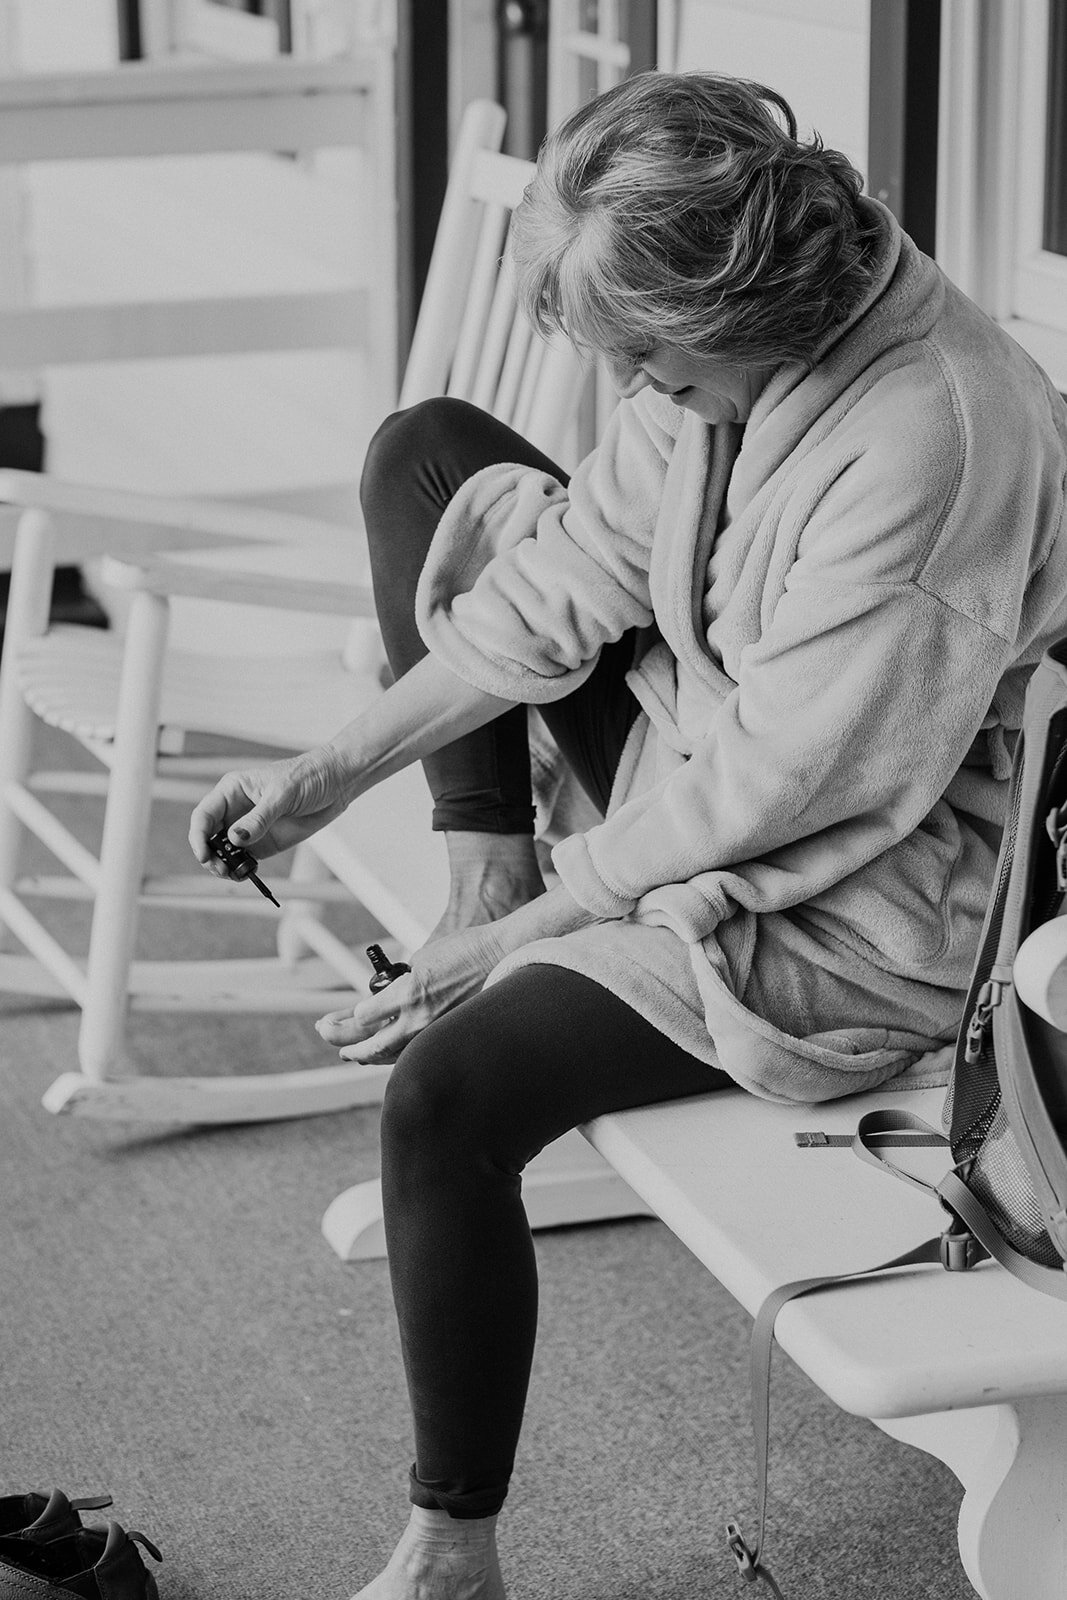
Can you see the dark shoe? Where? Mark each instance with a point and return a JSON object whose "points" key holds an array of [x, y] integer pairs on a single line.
{"points": [[89, 1564], [42, 1517]]}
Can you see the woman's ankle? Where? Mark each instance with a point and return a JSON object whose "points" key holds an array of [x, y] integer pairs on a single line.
{"points": [[439, 1557], [491, 874], [437, 1528]]}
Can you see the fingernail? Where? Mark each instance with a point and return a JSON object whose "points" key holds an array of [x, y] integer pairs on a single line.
{"points": [[240, 833]]}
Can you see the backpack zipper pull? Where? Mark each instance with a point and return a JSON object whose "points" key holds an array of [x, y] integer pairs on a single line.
{"points": [[989, 997]]}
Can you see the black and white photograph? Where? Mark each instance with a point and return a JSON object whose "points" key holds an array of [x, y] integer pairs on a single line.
{"points": [[533, 799]]}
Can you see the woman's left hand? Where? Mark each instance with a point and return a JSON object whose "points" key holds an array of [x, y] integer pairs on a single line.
{"points": [[443, 973]]}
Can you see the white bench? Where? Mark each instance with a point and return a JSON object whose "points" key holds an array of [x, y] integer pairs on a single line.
{"points": [[969, 1366]]}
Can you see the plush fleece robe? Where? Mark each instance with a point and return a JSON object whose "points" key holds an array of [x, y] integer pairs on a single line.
{"points": [[840, 604]]}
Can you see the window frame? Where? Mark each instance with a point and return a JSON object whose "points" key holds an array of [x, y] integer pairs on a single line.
{"points": [[991, 190]]}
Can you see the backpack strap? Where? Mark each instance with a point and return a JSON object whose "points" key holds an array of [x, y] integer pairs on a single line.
{"points": [[956, 1249], [748, 1557]]}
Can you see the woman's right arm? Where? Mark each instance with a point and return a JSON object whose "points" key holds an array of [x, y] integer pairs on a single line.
{"points": [[279, 803]]}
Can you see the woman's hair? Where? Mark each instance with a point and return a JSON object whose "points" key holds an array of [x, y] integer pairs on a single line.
{"points": [[681, 210]]}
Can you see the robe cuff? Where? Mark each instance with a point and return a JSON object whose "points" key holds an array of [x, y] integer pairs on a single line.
{"points": [[493, 512], [574, 864]]}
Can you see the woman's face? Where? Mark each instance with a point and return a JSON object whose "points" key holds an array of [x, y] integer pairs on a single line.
{"points": [[714, 390]]}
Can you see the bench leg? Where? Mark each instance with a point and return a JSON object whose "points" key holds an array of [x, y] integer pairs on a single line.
{"points": [[1012, 1462]]}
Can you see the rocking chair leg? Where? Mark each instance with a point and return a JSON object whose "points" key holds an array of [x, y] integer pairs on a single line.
{"points": [[27, 618], [125, 839]]}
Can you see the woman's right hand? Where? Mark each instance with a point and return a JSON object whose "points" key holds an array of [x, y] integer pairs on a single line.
{"points": [[270, 808]]}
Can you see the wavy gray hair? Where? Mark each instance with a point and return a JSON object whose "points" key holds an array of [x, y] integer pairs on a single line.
{"points": [[681, 210]]}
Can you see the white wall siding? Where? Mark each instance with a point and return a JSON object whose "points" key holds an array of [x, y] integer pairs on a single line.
{"points": [[814, 52]]}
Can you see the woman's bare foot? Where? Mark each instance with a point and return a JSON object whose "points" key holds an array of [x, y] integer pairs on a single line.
{"points": [[441, 1558], [491, 874]]}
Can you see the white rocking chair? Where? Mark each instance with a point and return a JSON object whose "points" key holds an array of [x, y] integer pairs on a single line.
{"points": [[130, 701]]}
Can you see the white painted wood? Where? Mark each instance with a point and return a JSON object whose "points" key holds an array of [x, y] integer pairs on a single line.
{"points": [[199, 892], [70, 680], [353, 1224], [112, 422], [61, 335], [578, 36], [485, 278], [125, 841], [62, 843], [293, 942], [441, 308], [815, 52], [27, 618], [990, 175], [53, 959], [725, 1175], [473, 44], [190, 574], [129, 698], [254, 1098], [27, 975], [971, 1367], [187, 521], [1012, 1527], [213, 30], [148, 109], [1012, 1462]]}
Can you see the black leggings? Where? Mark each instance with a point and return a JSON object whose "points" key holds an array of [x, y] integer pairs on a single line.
{"points": [[475, 1096]]}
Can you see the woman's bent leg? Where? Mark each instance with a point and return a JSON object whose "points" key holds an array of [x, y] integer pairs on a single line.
{"points": [[470, 1102], [480, 784], [416, 462]]}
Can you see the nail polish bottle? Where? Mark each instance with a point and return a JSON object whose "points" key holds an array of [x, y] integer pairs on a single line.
{"points": [[385, 971]]}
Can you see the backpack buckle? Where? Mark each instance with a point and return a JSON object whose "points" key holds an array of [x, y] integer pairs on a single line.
{"points": [[746, 1566], [959, 1250], [1056, 827]]}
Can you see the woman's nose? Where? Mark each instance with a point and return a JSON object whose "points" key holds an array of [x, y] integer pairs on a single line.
{"points": [[627, 380]]}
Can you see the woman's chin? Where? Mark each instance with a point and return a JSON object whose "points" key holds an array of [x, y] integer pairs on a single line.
{"points": [[710, 407]]}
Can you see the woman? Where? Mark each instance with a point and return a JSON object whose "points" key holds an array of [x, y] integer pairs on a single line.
{"points": [[779, 624]]}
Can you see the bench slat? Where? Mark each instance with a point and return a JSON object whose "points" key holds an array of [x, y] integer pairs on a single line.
{"points": [[724, 1174]]}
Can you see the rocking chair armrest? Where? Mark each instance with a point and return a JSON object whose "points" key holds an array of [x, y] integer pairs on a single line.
{"points": [[142, 519], [166, 573]]}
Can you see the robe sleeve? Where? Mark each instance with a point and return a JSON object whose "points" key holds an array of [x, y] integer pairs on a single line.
{"points": [[526, 580]]}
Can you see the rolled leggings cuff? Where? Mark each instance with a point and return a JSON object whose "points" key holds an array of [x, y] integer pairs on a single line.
{"points": [[463, 1507], [461, 816]]}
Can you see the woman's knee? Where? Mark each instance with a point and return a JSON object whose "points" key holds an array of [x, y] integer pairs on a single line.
{"points": [[445, 1103], [424, 1099], [405, 443]]}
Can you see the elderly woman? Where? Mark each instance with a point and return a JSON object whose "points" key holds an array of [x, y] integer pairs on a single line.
{"points": [[779, 624]]}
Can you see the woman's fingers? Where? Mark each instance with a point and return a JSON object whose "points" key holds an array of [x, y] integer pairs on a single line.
{"points": [[365, 1018], [372, 1030], [219, 809], [443, 974]]}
